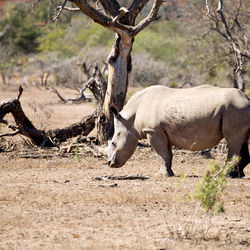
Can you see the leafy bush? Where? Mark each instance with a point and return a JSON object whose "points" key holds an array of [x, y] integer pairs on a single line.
{"points": [[213, 183], [22, 33], [94, 35], [160, 40], [206, 202], [54, 42]]}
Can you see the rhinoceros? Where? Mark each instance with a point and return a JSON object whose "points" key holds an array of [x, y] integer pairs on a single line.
{"points": [[193, 119]]}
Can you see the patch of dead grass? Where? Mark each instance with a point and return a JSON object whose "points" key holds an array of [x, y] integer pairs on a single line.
{"points": [[53, 203]]}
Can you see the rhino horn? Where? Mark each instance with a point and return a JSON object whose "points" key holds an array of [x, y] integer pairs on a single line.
{"points": [[100, 150]]}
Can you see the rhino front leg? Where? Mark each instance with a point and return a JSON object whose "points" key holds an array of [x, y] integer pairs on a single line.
{"points": [[160, 144]]}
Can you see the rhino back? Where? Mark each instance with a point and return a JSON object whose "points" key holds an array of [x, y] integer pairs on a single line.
{"points": [[192, 118]]}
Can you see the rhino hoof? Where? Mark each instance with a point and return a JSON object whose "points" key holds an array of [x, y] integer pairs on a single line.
{"points": [[169, 174], [236, 174]]}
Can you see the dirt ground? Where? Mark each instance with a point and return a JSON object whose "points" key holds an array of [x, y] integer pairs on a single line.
{"points": [[49, 200]]}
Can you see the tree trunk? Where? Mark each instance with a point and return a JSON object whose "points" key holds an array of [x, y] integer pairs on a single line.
{"points": [[3, 79], [238, 80], [119, 67], [241, 83]]}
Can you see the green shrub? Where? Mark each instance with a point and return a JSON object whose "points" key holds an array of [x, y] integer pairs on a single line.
{"points": [[211, 186], [160, 41], [54, 42], [94, 35], [22, 33]]}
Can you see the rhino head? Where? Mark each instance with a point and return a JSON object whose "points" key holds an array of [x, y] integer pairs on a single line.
{"points": [[123, 144]]}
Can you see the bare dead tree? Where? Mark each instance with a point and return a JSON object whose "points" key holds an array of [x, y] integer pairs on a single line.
{"points": [[233, 32], [122, 21]]}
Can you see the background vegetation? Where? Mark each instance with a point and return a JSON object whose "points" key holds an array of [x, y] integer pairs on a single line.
{"points": [[180, 47]]}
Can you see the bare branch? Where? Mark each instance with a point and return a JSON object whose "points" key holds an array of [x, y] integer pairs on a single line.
{"points": [[208, 9], [151, 17], [123, 12], [111, 7], [81, 98], [219, 32], [102, 19], [123, 30], [236, 21], [20, 92], [58, 94], [34, 4], [220, 12], [220, 4], [135, 8], [3, 32], [68, 9], [10, 134], [60, 10]]}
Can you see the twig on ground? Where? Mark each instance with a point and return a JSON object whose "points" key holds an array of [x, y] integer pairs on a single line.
{"points": [[109, 185], [10, 134]]}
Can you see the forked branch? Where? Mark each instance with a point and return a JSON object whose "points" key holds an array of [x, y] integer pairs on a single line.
{"points": [[114, 14], [220, 12], [111, 7], [60, 11], [151, 17]]}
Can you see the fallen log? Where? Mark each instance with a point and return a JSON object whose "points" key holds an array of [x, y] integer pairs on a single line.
{"points": [[40, 137]]}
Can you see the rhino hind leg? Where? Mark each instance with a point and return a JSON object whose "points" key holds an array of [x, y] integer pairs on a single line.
{"points": [[161, 146], [237, 171], [238, 146], [237, 141]]}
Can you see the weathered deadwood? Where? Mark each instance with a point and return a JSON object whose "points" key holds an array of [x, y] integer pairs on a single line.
{"points": [[98, 86], [84, 127], [40, 137], [15, 132], [83, 97], [24, 125], [80, 99], [120, 177]]}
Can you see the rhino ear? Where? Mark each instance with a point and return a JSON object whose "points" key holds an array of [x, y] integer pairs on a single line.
{"points": [[116, 113], [115, 110]]}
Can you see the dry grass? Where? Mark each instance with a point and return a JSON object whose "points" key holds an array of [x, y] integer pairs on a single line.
{"points": [[53, 203]]}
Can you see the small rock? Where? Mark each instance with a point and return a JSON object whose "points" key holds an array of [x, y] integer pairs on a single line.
{"points": [[97, 211]]}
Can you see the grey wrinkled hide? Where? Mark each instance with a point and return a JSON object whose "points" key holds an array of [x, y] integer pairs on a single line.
{"points": [[193, 119]]}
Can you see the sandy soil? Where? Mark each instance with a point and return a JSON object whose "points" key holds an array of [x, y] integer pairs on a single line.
{"points": [[52, 202]]}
